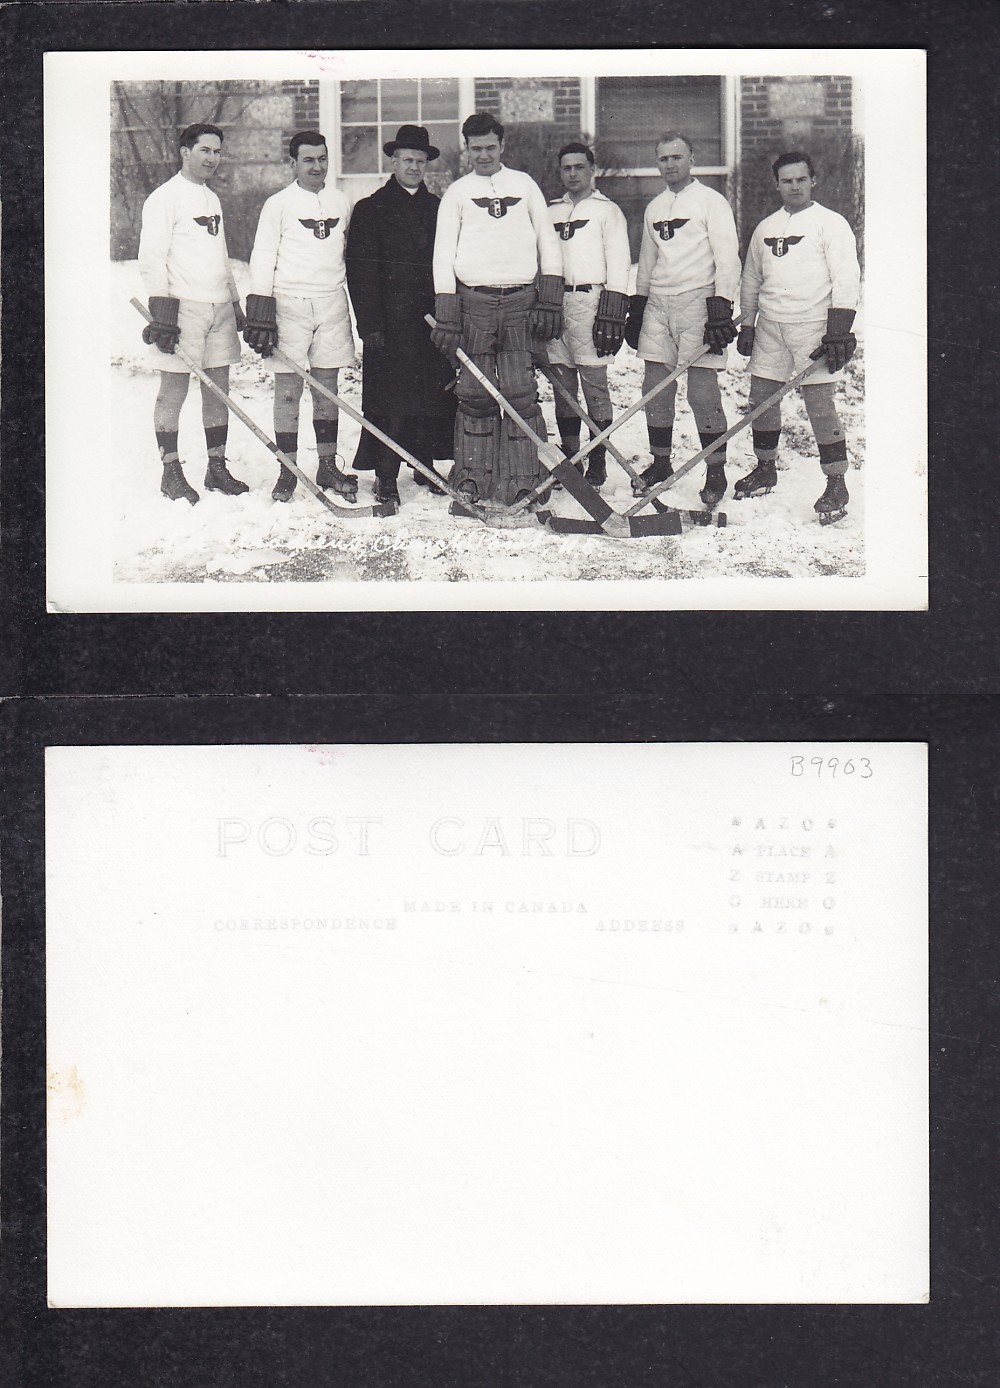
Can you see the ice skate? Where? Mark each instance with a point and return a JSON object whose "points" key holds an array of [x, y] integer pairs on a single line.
{"points": [[658, 471], [386, 491], [760, 482], [832, 505], [422, 481], [285, 485], [218, 478], [329, 476], [597, 469], [715, 486], [175, 486]]}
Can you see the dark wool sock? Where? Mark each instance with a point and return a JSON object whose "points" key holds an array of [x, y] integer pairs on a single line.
{"points": [[215, 437], [166, 442]]}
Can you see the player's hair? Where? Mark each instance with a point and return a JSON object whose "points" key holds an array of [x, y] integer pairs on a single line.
{"points": [[482, 123], [669, 135], [190, 137], [794, 156], [304, 137], [577, 147]]}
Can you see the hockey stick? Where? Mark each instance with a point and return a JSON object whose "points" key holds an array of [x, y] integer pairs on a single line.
{"points": [[546, 369], [623, 418], [460, 505], [734, 429], [355, 513], [550, 457], [639, 525]]}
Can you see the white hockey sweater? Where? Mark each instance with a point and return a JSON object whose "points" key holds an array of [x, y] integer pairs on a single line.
{"points": [[494, 231], [799, 264], [688, 241], [593, 238], [299, 246], [182, 244]]}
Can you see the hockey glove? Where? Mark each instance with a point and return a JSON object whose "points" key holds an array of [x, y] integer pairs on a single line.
{"points": [[163, 331], [261, 331], [545, 319], [609, 325], [375, 342], [633, 325], [720, 329], [839, 343], [744, 343], [446, 335]]}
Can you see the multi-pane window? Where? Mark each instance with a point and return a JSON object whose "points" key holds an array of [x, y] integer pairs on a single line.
{"points": [[633, 111], [371, 112]]}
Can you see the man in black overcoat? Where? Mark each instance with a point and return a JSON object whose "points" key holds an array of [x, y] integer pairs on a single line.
{"points": [[404, 384]]}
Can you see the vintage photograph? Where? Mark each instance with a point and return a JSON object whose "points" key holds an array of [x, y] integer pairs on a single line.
{"points": [[383, 336]]}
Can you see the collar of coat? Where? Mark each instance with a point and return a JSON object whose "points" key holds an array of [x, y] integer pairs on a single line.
{"points": [[392, 189]]}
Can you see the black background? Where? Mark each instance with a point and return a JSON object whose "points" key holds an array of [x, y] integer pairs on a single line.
{"points": [[532, 677]]}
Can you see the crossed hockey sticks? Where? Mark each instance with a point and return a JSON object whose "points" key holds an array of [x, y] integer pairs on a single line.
{"points": [[738, 427], [621, 419], [497, 518], [387, 508], [640, 525], [545, 368]]}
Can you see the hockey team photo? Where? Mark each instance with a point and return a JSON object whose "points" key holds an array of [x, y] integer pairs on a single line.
{"points": [[407, 331]]}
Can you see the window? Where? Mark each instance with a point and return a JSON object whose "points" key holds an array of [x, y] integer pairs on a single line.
{"points": [[372, 111], [632, 111]]}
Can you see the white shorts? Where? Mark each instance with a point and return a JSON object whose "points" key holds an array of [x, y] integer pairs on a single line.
{"points": [[576, 345], [208, 337], [314, 332], [673, 330], [780, 350]]}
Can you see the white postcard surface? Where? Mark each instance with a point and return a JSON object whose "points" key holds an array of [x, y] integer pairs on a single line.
{"points": [[467, 1024], [858, 115]]}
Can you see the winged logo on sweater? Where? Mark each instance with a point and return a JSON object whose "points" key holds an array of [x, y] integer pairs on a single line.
{"points": [[497, 207], [780, 245], [567, 230], [668, 230], [211, 224], [319, 226]]}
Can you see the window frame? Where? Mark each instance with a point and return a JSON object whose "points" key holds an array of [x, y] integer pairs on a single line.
{"points": [[416, 119]]}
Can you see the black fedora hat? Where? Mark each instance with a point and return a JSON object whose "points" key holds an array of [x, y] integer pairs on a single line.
{"points": [[411, 137]]}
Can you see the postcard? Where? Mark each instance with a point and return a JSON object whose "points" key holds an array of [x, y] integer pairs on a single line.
{"points": [[469, 1024]]}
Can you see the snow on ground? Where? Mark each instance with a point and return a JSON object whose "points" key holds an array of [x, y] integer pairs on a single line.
{"points": [[253, 539]]}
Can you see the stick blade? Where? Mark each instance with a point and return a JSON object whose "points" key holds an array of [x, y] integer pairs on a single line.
{"points": [[664, 523]]}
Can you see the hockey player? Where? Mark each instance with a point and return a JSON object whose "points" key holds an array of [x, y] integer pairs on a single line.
{"points": [[405, 380], [689, 272], [799, 295], [593, 237], [498, 292], [184, 264], [299, 304]]}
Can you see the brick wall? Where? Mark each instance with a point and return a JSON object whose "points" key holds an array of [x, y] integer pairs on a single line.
{"points": [[556, 99], [305, 106], [776, 112]]}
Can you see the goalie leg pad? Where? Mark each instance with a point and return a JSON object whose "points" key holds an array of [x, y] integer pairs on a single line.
{"points": [[476, 448]]}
